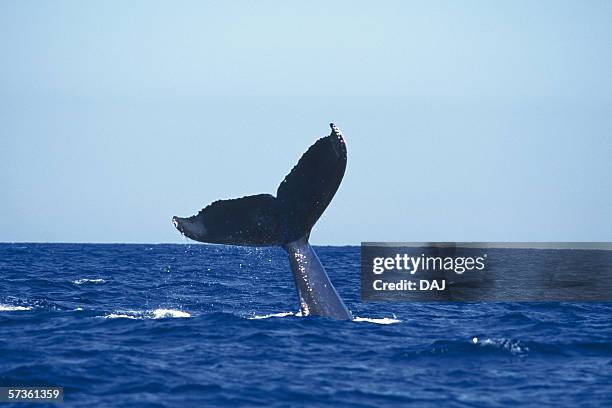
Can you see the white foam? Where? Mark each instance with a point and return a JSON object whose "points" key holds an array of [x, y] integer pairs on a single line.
{"points": [[147, 314], [165, 313], [281, 314], [82, 281], [120, 316], [11, 308], [384, 320]]}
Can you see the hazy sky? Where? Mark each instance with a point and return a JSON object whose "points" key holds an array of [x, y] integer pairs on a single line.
{"points": [[465, 121]]}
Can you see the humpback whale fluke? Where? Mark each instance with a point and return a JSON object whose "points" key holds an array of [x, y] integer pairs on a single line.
{"points": [[285, 220]]}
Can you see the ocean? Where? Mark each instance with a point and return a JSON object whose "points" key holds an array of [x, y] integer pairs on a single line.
{"points": [[203, 325]]}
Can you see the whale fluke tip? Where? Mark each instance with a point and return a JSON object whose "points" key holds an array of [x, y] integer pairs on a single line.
{"points": [[335, 130]]}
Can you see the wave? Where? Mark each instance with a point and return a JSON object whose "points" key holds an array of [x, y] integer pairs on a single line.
{"points": [[11, 308], [510, 345], [384, 320], [83, 281], [165, 313], [476, 346], [148, 314], [280, 314], [120, 316]]}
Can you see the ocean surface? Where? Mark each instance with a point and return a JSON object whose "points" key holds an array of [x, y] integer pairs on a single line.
{"points": [[196, 325]]}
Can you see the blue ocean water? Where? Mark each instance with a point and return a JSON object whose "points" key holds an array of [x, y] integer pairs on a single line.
{"points": [[196, 325]]}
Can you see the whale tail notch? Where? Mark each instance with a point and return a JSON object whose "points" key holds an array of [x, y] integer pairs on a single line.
{"points": [[263, 219]]}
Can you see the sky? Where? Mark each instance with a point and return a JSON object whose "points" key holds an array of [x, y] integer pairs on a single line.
{"points": [[464, 121]]}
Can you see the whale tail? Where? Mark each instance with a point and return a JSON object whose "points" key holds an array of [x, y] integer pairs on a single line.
{"points": [[263, 220], [285, 220]]}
